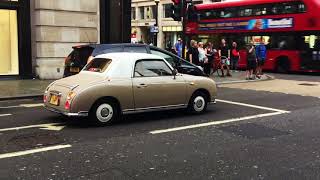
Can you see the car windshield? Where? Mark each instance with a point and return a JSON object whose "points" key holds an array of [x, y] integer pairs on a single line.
{"points": [[98, 65]]}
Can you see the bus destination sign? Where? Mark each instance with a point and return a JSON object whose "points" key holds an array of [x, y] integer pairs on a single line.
{"points": [[253, 24]]}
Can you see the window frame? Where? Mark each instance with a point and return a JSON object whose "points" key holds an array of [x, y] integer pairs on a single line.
{"points": [[142, 60]]}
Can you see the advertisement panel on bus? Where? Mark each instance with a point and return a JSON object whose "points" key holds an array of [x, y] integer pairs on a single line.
{"points": [[252, 24]]}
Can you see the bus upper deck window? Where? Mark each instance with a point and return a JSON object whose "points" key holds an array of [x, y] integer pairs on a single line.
{"points": [[301, 7]]}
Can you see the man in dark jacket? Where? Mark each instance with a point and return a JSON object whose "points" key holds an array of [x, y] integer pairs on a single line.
{"points": [[251, 61]]}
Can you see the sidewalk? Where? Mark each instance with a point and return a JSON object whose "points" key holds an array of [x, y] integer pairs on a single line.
{"points": [[238, 77], [23, 89]]}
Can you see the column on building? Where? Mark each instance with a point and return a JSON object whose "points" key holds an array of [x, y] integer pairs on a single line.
{"points": [[57, 26]]}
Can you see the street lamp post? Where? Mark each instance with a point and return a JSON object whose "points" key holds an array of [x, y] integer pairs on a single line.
{"points": [[156, 25]]}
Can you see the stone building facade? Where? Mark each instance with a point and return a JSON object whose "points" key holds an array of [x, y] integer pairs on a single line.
{"points": [[37, 35], [56, 27]]}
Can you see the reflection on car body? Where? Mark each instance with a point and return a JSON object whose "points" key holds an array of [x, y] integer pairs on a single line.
{"points": [[116, 83]]}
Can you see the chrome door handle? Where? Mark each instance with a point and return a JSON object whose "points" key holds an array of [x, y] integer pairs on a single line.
{"points": [[142, 86]]}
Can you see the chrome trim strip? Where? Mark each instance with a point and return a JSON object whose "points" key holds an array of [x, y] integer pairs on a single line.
{"points": [[213, 102], [55, 93], [159, 108], [65, 85], [79, 114]]}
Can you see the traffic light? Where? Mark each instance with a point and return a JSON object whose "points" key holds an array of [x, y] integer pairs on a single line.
{"points": [[176, 8]]}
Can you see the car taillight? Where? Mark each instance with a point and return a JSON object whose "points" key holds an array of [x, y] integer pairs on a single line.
{"points": [[67, 105], [45, 97], [70, 96]]}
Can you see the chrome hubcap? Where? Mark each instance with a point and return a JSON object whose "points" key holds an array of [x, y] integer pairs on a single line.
{"points": [[104, 112], [199, 104]]}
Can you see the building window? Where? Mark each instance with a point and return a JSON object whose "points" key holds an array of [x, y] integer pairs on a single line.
{"points": [[133, 13], [141, 13], [154, 11], [167, 11]]}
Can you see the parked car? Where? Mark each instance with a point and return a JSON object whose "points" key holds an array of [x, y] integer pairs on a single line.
{"points": [[78, 58], [119, 83]]}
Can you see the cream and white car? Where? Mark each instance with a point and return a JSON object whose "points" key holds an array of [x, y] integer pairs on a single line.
{"points": [[119, 83]]}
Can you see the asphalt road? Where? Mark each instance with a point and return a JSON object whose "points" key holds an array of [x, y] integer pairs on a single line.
{"points": [[247, 135]]}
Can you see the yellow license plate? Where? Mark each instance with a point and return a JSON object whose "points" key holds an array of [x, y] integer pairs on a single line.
{"points": [[54, 100], [74, 69]]}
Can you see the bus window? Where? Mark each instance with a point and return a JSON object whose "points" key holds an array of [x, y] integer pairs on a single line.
{"points": [[227, 13], [260, 11], [301, 7]]}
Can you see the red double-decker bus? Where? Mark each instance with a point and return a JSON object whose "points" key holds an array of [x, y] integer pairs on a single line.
{"points": [[290, 28]]}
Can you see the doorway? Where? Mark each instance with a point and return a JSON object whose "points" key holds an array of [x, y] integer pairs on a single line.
{"points": [[9, 42]]}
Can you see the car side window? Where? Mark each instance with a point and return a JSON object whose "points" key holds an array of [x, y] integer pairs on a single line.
{"points": [[151, 68], [167, 57]]}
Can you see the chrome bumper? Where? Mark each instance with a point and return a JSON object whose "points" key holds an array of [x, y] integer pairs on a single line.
{"points": [[213, 102], [79, 114]]}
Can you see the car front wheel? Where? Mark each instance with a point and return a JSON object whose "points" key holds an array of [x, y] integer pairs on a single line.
{"points": [[104, 113], [198, 103]]}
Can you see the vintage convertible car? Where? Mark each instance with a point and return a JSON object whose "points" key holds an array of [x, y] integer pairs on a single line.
{"points": [[119, 83]]}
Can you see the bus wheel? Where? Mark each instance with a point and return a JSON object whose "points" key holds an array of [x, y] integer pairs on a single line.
{"points": [[283, 65]]}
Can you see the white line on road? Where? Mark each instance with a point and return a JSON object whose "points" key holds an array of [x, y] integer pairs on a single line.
{"points": [[31, 105], [214, 123], [52, 126], [2, 115], [32, 151], [23, 106], [252, 106]]}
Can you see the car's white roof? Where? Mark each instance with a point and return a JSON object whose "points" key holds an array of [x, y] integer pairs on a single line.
{"points": [[128, 56]]}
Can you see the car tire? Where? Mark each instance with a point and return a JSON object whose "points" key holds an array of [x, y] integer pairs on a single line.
{"points": [[198, 103], [104, 112]]}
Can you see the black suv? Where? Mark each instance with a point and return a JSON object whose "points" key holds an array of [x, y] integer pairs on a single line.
{"points": [[78, 58]]}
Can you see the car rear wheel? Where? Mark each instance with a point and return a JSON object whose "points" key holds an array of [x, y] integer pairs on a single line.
{"points": [[104, 112], [198, 103]]}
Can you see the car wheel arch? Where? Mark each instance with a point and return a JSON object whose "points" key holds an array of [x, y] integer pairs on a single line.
{"points": [[204, 91], [107, 98]]}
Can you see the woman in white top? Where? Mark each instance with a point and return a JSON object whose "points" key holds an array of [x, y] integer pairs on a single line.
{"points": [[202, 53]]}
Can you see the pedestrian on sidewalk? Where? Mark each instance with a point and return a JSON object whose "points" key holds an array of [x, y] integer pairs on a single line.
{"points": [[193, 53], [261, 52], [251, 61], [234, 56], [210, 55], [224, 51], [178, 47], [202, 54]]}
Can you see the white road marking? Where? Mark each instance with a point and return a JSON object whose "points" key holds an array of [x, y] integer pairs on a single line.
{"points": [[23, 106], [252, 106], [31, 105], [32, 151], [52, 127], [212, 123], [2, 115]]}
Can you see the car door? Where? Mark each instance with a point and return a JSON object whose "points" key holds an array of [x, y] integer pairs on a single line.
{"points": [[155, 86]]}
